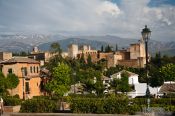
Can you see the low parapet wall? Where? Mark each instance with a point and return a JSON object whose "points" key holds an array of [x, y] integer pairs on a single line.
{"points": [[12, 108], [64, 114]]}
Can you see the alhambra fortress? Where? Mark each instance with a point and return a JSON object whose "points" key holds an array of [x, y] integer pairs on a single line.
{"points": [[134, 56]]}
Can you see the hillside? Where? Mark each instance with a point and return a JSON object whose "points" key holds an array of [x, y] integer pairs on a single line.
{"points": [[66, 42], [10, 45], [26, 42]]}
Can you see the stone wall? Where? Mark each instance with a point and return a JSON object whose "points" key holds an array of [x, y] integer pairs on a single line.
{"points": [[12, 108], [129, 63]]}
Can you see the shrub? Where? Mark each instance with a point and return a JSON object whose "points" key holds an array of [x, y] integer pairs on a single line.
{"points": [[11, 101], [109, 105], [41, 97], [132, 109], [38, 105]]}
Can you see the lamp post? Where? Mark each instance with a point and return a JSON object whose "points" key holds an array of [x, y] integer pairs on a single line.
{"points": [[146, 33]]}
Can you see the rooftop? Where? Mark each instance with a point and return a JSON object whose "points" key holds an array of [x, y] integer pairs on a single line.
{"points": [[167, 88], [123, 71], [20, 60]]}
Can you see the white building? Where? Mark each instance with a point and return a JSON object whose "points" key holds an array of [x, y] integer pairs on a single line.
{"points": [[139, 88], [133, 78]]}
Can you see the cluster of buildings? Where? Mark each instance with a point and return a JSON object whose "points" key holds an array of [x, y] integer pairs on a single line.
{"points": [[137, 89], [134, 56], [28, 69]]}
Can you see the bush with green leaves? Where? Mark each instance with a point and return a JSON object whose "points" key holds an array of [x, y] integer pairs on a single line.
{"points": [[38, 106], [108, 105], [11, 101]]}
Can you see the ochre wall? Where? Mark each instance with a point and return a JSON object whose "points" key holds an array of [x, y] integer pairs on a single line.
{"points": [[32, 78]]}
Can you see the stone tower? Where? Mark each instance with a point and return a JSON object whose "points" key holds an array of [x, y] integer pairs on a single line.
{"points": [[73, 50]]}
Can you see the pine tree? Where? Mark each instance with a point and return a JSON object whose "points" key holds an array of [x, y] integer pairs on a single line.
{"points": [[116, 47], [102, 49], [82, 60], [89, 60], [108, 49]]}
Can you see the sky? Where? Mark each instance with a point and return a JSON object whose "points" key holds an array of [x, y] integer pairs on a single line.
{"points": [[123, 18]]}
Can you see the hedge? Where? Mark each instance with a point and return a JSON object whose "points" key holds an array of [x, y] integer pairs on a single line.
{"points": [[161, 101], [106, 105], [11, 101], [38, 106], [110, 105]]}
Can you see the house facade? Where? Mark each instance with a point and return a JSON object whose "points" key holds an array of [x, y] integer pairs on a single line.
{"points": [[139, 89], [27, 70]]}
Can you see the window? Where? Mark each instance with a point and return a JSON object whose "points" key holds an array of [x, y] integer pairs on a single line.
{"points": [[34, 69], [27, 90], [10, 71], [24, 71], [31, 71], [37, 69]]}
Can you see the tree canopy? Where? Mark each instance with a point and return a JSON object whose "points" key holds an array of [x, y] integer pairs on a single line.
{"points": [[168, 71], [12, 81], [61, 80]]}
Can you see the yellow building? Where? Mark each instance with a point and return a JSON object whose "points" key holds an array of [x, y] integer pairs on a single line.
{"points": [[27, 71]]}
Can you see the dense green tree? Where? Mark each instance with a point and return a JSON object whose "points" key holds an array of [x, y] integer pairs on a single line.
{"points": [[90, 73], [155, 77], [115, 84], [124, 85], [12, 81], [166, 60], [2, 83], [99, 87], [113, 70], [61, 80], [100, 65], [168, 72], [89, 85], [56, 58], [121, 85]]}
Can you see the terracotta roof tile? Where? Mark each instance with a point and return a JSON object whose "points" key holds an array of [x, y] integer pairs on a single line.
{"points": [[166, 88]]}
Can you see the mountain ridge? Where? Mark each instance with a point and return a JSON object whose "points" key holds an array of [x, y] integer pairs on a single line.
{"points": [[27, 42]]}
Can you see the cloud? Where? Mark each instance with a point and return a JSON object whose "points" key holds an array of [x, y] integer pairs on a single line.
{"points": [[108, 7], [87, 17]]}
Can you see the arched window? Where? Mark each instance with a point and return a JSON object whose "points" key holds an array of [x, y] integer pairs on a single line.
{"points": [[34, 69], [31, 71], [37, 69]]}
